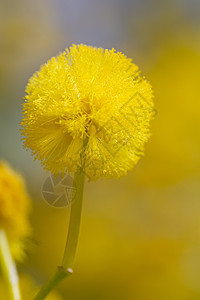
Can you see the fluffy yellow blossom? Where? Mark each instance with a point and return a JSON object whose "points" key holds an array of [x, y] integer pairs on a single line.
{"points": [[14, 207], [91, 94]]}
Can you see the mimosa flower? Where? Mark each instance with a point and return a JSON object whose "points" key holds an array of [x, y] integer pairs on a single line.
{"points": [[14, 208], [91, 94]]}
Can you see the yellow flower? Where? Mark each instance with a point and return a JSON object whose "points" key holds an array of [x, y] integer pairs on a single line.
{"points": [[14, 207], [91, 94]]}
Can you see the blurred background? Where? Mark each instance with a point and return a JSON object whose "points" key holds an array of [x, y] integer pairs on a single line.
{"points": [[140, 235]]}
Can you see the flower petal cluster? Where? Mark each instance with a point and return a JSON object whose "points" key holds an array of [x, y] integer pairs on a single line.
{"points": [[88, 94], [14, 209]]}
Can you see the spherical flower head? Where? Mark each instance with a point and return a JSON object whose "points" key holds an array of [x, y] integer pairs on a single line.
{"points": [[88, 103], [14, 208]]}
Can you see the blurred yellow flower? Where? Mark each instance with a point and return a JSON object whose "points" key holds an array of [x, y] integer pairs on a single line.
{"points": [[88, 93], [14, 207]]}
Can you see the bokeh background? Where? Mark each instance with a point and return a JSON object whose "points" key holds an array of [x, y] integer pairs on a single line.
{"points": [[140, 235]]}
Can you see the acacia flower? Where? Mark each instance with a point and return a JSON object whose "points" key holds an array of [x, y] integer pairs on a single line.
{"points": [[14, 209], [88, 93], [86, 111]]}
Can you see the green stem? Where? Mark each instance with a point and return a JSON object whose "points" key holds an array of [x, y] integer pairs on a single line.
{"points": [[8, 268], [75, 220], [73, 233], [59, 275]]}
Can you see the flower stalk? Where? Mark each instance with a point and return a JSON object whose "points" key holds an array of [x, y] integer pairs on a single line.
{"points": [[8, 268], [75, 219], [73, 234]]}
